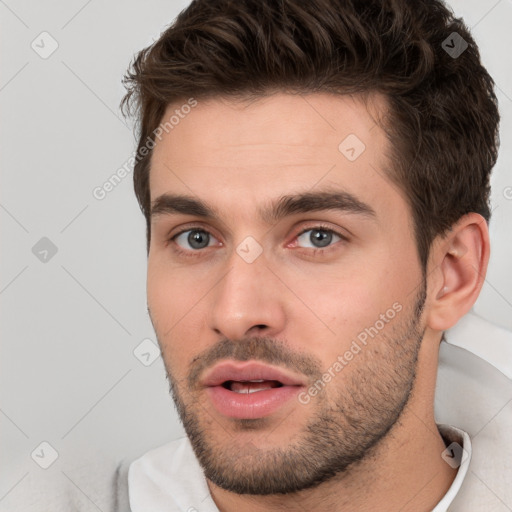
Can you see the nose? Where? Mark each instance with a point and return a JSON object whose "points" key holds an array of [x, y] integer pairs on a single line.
{"points": [[247, 301]]}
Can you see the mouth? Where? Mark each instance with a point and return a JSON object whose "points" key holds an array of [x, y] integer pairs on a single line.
{"points": [[250, 390], [250, 386]]}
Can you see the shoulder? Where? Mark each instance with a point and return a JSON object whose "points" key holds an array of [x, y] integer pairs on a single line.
{"points": [[474, 396], [167, 478], [89, 483], [469, 390]]}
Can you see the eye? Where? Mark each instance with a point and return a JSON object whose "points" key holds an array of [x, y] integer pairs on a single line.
{"points": [[318, 237], [195, 238]]}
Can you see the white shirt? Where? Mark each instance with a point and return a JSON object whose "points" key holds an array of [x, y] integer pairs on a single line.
{"points": [[470, 394], [169, 478]]}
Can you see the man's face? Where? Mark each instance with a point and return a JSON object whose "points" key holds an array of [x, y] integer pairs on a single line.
{"points": [[288, 313]]}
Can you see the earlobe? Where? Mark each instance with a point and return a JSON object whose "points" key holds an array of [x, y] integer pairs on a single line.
{"points": [[461, 258]]}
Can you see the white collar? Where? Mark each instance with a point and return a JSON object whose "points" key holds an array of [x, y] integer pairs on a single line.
{"points": [[458, 453], [170, 479]]}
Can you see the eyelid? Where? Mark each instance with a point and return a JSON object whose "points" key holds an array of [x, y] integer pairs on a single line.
{"points": [[194, 227], [322, 227], [316, 225], [319, 226]]}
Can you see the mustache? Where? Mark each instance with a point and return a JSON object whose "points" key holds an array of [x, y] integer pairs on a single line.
{"points": [[264, 349]]}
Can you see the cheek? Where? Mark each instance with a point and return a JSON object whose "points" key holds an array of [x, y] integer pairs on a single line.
{"points": [[168, 305], [160, 297], [176, 307], [351, 298], [170, 293], [347, 306]]}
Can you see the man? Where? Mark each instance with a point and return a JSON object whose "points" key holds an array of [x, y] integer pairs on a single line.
{"points": [[315, 181]]}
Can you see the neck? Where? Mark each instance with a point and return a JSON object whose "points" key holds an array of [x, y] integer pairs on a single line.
{"points": [[404, 471]]}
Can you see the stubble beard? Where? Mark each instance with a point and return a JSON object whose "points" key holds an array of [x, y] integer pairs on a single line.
{"points": [[345, 427]]}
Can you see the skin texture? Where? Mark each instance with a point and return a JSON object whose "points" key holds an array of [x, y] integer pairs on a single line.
{"points": [[300, 308]]}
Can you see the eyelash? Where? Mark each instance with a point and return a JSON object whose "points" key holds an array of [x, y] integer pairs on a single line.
{"points": [[193, 254]]}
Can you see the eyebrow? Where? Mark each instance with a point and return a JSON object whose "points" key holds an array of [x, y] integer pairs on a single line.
{"points": [[277, 209]]}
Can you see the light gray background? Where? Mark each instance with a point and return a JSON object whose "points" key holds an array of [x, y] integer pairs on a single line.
{"points": [[68, 373]]}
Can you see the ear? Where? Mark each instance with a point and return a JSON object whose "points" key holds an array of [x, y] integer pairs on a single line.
{"points": [[458, 265]]}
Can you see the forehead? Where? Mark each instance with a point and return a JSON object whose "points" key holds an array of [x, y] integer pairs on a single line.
{"points": [[227, 152]]}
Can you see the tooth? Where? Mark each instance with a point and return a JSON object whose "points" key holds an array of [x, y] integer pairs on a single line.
{"points": [[247, 391]]}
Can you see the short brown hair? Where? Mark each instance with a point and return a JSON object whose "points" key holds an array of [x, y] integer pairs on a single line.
{"points": [[443, 118]]}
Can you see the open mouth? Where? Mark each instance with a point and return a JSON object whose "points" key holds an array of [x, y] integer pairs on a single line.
{"points": [[250, 389], [251, 386]]}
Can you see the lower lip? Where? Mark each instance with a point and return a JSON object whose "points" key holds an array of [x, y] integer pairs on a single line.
{"points": [[251, 405]]}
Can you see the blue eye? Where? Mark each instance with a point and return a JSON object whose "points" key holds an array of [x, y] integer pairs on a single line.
{"points": [[318, 237], [196, 238], [190, 242]]}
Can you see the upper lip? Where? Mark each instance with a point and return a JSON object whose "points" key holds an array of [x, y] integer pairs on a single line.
{"points": [[249, 370]]}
